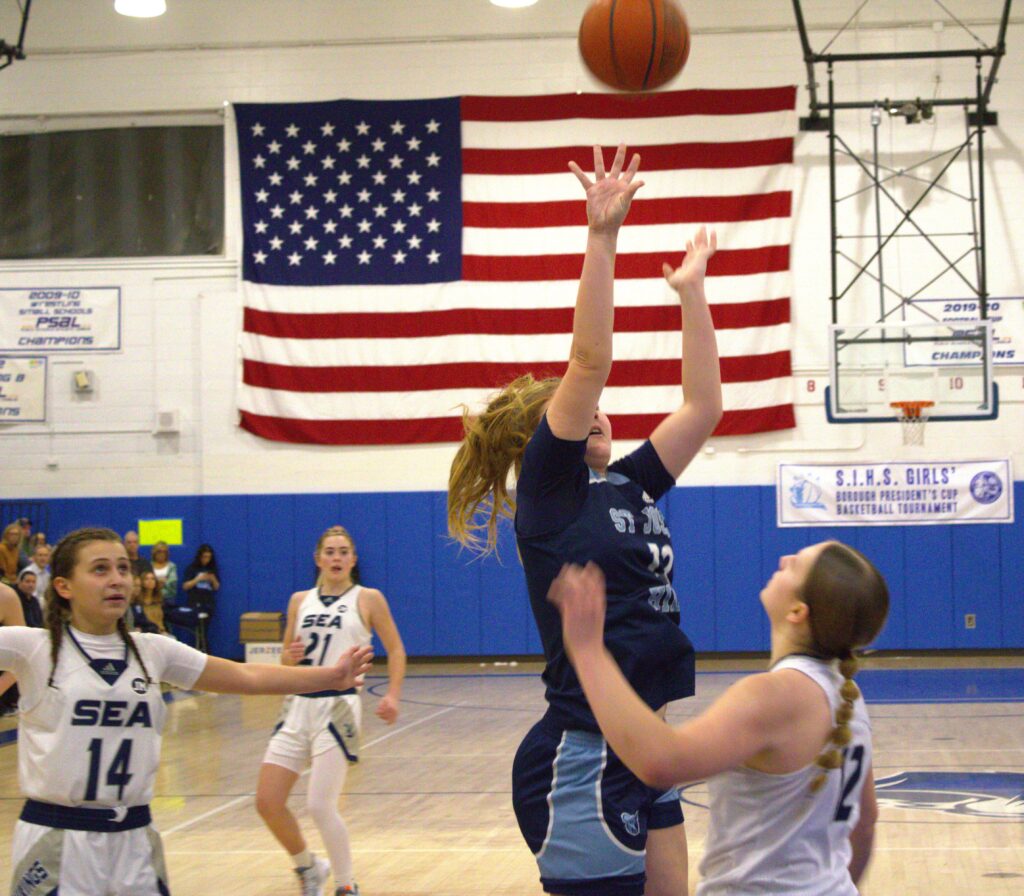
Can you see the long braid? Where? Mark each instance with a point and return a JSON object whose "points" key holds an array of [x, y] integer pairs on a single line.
{"points": [[58, 612], [832, 757], [122, 630], [848, 600]]}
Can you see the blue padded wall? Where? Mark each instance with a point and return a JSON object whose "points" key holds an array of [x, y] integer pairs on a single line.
{"points": [[448, 604]]}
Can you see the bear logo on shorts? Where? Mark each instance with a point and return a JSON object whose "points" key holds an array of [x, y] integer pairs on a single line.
{"points": [[631, 821]]}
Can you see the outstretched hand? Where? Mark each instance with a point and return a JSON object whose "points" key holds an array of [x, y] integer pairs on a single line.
{"points": [[352, 665], [579, 594], [609, 194], [695, 264]]}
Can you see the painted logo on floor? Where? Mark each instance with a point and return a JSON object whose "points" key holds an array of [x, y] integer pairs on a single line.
{"points": [[980, 794]]}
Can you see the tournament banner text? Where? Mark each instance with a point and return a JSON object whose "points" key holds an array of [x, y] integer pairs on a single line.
{"points": [[22, 390], [60, 319], [895, 494]]}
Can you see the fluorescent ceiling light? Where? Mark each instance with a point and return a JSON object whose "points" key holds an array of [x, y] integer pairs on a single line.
{"points": [[141, 9], [513, 4]]}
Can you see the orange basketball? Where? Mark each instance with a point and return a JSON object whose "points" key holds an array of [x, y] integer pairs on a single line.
{"points": [[634, 44]]}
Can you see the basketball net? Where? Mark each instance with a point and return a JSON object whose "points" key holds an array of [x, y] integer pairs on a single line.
{"points": [[913, 415]]}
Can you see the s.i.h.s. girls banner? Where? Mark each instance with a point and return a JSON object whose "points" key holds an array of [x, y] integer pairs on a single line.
{"points": [[894, 494]]}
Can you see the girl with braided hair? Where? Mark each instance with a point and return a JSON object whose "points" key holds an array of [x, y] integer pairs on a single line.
{"points": [[92, 719], [786, 753]]}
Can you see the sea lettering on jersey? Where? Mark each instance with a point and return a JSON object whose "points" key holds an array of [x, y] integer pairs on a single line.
{"points": [[324, 620], [111, 714]]}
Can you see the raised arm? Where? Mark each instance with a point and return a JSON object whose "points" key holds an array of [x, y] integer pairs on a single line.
{"points": [[571, 411], [680, 435], [378, 617], [741, 723]]}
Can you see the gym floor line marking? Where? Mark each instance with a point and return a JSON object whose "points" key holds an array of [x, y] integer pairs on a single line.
{"points": [[248, 796]]}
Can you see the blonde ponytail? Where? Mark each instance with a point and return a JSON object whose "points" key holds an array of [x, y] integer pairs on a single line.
{"points": [[832, 756]]}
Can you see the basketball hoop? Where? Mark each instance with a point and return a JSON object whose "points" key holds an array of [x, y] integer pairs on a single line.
{"points": [[913, 415]]}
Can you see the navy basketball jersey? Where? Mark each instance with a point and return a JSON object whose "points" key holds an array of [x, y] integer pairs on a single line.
{"points": [[567, 513]]}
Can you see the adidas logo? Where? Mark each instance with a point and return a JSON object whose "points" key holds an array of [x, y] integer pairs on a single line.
{"points": [[109, 668]]}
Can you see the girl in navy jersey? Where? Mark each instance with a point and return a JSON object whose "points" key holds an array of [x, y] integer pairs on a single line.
{"points": [[91, 724], [781, 820], [572, 504], [322, 730]]}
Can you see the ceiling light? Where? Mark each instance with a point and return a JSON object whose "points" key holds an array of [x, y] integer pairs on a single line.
{"points": [[141, 9], [513, 4]]}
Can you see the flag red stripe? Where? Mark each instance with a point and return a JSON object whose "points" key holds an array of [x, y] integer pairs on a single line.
{"points": [[449, 429], [496, 321], [639, 105], [692, 209], [489, 375], [733, 423], [631, 266], [740, 154]]}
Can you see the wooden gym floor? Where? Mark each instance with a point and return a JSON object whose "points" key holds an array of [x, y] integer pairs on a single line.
{"points": [[429, 806]]}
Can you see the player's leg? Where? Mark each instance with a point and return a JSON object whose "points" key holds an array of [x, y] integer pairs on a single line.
{"points": [[326, 780], [272, 788]]}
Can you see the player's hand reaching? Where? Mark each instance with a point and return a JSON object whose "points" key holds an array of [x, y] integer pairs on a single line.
{"points": [[353, 664], [294, 652], [579, 594], [695, 264], [387, 709], [609, 194]]}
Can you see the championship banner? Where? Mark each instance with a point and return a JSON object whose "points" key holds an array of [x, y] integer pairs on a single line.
{"points": [[22, 390], [75, 319], [895, 494], [1006, 314]]}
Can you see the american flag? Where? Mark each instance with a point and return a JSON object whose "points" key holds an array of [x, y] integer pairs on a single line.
{"points": [[404, 257]]}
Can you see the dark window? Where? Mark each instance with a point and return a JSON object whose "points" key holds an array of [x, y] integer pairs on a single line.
{"points": [[112, 192]]}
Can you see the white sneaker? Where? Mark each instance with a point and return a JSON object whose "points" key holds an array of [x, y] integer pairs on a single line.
{"points": [[313, 878]]}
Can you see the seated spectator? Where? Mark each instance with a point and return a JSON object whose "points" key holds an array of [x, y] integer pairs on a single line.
{"points": [[10, 614], [25, 588], [35, 540], [165, 570], [131, 545], [12, 560], [40, 565], [26, 536], [135, 617], [151, 600], [202, 580]]}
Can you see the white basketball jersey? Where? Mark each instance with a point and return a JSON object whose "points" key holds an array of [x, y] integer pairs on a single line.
{"points": [[93, 737], [329, 625], [770, 834]]}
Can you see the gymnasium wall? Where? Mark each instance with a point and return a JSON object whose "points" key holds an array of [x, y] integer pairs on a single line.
{"points": [[727, 546], [96, 459]]}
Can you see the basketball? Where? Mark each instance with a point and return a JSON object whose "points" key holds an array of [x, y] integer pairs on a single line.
{"points": [[634, 44]]}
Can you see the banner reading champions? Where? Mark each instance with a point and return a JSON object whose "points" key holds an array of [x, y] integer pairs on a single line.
{"points": [[60, 319], [894, 494]]}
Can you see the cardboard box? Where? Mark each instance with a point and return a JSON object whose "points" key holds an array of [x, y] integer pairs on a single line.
{"points": [[261, 627]]}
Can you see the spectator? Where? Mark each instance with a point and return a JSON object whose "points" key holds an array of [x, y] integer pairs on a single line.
{"points": [[35, 540], [25, 588], [40, 565], [151, 599], [26, 536], [12, 560], [165, 570], [202, 580], [131, 545], [135, 617]]}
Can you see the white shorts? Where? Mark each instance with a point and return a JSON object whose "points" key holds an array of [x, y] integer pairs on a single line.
{"points": [[310, 726], [87, 863]]}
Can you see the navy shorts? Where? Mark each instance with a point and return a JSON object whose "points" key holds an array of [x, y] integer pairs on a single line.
{"points": [[584, 815]]}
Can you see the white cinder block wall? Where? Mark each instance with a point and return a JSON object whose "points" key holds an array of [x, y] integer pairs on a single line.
{"points": [[88, 67]]}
